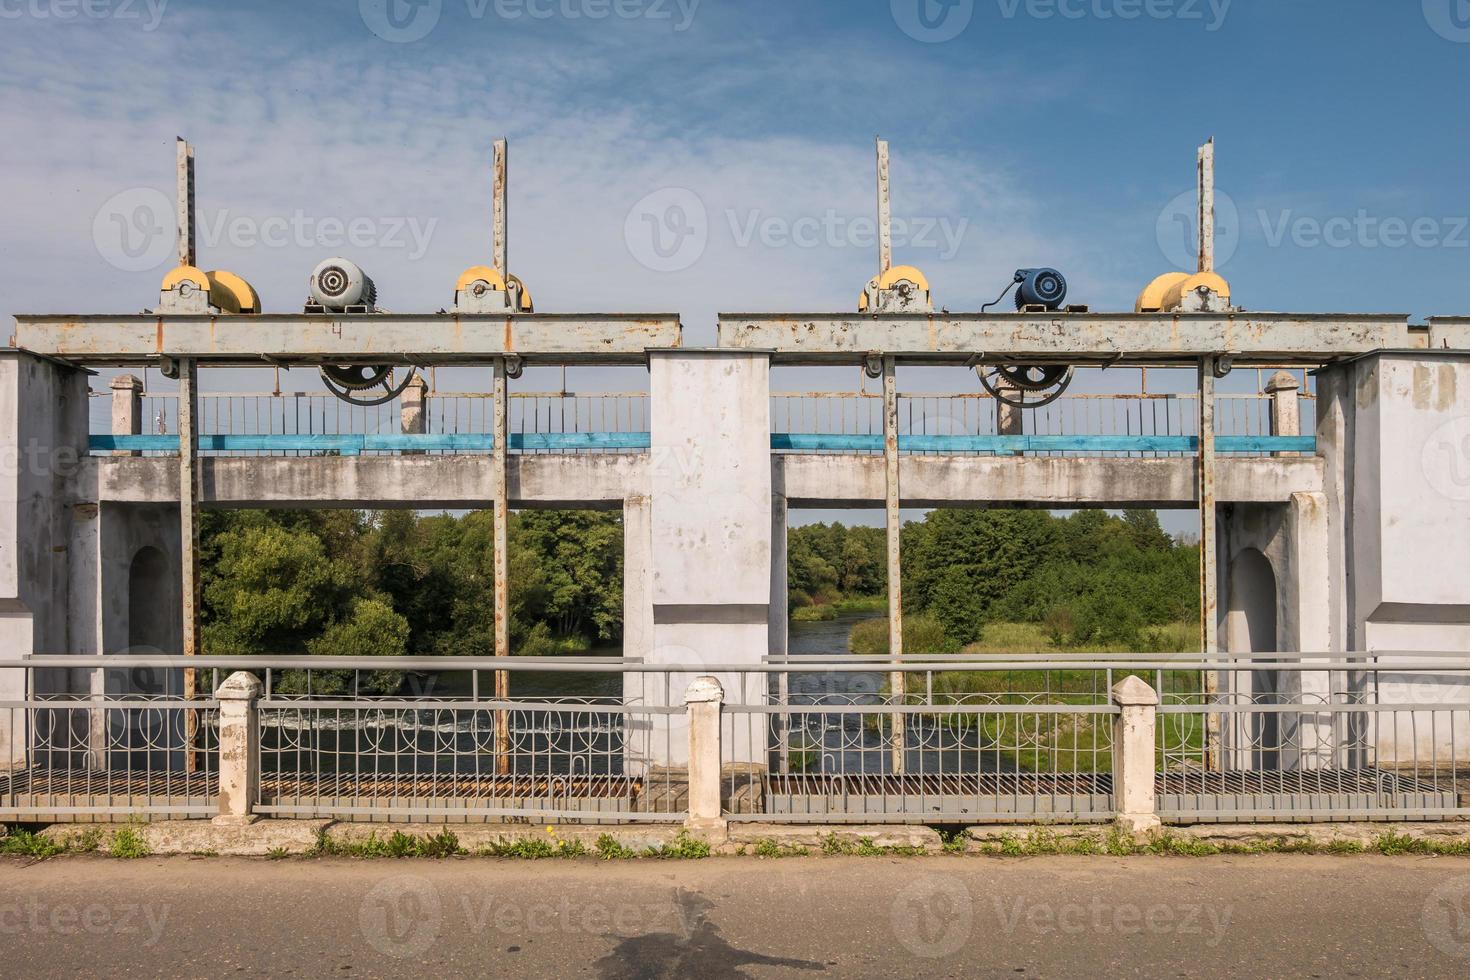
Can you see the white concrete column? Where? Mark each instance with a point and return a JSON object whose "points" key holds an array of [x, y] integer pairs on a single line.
{"points": [[703, 700], [780, 601], [1286, 408], [239, 773], [1010, 420], [413, 409], [1309, 740], [710, 489], [1133, 756], [638, 634], [43, 435], [780, 619], [127, 410]]}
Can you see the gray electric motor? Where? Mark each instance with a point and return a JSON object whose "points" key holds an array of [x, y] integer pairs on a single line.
{"points": [[340, 286]]}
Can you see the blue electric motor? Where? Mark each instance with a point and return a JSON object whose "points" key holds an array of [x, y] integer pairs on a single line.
{"points": [[1040, 287]]}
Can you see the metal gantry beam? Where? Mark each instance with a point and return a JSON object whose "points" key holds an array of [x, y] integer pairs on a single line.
{"points": [[1064, 338], [444, 338]]}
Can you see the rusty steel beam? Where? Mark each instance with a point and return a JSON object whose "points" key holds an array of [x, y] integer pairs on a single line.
{"points": [[1207, 207], [1072, 338], [188, 250], [500, 242], [557, 338], [501, 544], [1209, 558], [885, 212], [189, 494], [894, 521]]}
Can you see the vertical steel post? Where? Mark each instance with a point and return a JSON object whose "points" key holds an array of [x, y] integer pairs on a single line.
{"points": [[1208, 564], [1207, 207], [189, 539], [501, 243], [885, 212], [185, 201], [895, 564], [501, 507]]}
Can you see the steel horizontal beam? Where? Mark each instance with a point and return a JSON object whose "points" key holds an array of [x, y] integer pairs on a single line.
{"points": [[949, 338], [604, 338]]}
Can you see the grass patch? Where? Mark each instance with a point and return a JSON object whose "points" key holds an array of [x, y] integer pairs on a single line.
{"points": [[534, 849], [23, 843], [863, 847], [767, 848], [857, 605], [1021, 638], [609, 848], [1394, 844], [922, 633], [127, 843], [398, 845], [1041, 842], [814, 614], [681, 848]]}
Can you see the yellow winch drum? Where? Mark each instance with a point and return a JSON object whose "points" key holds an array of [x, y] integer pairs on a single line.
{"points": [[227, 292], [491, 280], [916, 282]]}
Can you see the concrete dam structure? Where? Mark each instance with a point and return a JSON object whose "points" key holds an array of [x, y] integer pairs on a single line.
{"points": [[1334, 506]]}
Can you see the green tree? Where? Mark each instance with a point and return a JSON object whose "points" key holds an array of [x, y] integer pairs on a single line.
{"points": [[271, 588]]}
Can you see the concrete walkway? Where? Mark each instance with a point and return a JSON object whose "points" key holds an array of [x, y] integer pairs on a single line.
{"points": [[739, 917]]}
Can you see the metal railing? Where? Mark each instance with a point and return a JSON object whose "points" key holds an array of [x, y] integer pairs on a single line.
{"points": [[969, 738], [1140, 425], [131, 746], [1138, 420]]}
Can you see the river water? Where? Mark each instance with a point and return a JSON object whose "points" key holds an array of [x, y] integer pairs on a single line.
{"points": [[805, 640]]}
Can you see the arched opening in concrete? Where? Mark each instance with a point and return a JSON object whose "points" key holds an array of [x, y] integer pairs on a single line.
{"points": [[149, 586], [139, 737], [154, 623], [1250, 627], [1250, 622]]}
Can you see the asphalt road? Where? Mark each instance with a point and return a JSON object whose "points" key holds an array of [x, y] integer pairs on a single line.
{"points": [[1275, 916]]}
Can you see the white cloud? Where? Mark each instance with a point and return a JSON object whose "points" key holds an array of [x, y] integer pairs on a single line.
{"points": [[366, 131]]}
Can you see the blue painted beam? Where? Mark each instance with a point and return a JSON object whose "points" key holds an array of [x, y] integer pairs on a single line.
{"points": [[352, 445]]}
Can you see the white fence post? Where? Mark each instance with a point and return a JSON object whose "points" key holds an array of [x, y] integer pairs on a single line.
{"points": [[239, 772], [412, 405], [1286, 406], [703, 701], [127, 409], [1133, 756]]}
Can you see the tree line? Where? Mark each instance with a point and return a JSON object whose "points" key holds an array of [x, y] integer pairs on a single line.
{"points": [[353, 583], [395, 583], [1088, 578]]}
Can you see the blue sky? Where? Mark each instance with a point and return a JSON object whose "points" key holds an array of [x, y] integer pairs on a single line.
{"points": [[1054, 132], [1040, 137]]}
